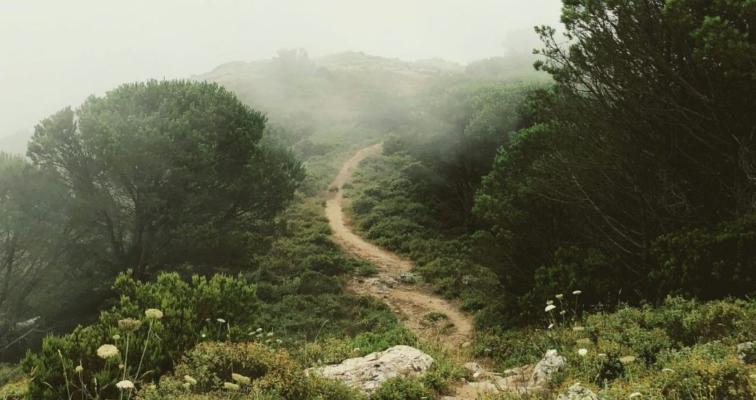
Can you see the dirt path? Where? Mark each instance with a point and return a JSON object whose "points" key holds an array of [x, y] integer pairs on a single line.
{"points": [[429, 316]]}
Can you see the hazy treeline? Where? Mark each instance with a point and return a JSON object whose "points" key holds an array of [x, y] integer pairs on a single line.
{"points": [[629, 178]]}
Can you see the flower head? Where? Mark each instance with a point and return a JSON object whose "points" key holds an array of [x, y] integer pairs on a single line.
{"points": [[582, 352], [116, 337], [627, 359], [125, 385], [153, 314], [634, 395], [221, 320], [129, 324], [241, 379], [191, 381], [231, 386], [79, 369], [559, 296], [577, 292], [549, 308], [107, 351]]}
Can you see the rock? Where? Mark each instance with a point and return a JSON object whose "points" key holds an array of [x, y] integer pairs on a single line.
{"points": [[367, 373], [551, 363], [408, 278], [28, 323], [476, 370], [747, 352], [578, 392]]}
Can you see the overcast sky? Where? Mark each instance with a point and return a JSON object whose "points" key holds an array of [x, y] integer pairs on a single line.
{"points": [[55, 53]]}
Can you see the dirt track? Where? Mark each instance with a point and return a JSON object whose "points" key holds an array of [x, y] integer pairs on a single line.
{"points": [[413, 303]]}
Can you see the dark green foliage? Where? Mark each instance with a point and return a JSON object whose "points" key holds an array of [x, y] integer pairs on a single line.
{"points": [[694, 259], [165, 173], [632, 181]]}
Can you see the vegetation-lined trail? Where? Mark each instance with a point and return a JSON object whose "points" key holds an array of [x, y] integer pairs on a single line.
{"points": [[410, 302]]}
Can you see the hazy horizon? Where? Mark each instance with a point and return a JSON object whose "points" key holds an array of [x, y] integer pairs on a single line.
{"points": [[56, 54]]}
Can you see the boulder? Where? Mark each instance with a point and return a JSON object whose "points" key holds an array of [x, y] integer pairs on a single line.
{"points": [[549, 364], [369, 372], [578, 392]]}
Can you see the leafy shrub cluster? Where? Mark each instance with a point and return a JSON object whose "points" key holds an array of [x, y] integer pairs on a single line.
{"points": [[683, 349]]}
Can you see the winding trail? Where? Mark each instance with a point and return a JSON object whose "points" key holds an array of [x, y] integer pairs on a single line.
{"points": [[412, 302]]}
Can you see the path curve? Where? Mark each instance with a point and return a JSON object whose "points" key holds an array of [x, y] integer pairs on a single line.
{"points": [[411, 302]]}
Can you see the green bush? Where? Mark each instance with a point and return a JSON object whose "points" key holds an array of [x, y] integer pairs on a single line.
{"points": [[212, 363], [401, 389], [191, 309], [260, 372], [708, 371], [708, 263]]}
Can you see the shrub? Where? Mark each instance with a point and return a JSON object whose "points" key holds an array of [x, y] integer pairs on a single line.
{"points": [[190, 309], [708, 371], [401, 389], [213, 363]]}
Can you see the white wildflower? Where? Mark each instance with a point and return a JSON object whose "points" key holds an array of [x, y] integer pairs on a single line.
{"points": [[153, 314], [559, 296], [577, 292], [129, 324], [221, 320], [107, 351], [582, 352], [231, 386], [627, 359], [549, 308], [634, 395], [125, 385], [79, 369]]}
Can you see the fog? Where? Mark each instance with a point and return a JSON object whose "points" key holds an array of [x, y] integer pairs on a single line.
{"points": [[55, 54]]}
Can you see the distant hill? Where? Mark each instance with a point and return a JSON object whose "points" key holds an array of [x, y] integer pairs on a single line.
{"points": [[352, 88], [15, 143]]}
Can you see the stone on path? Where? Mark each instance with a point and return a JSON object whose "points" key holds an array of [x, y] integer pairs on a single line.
{"points": [[369, 372]]}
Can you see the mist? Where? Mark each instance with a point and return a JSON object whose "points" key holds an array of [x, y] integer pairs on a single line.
{"points": [[55, 54]]}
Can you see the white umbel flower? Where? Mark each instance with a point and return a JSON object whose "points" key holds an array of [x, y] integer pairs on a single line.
{"points": [[582, 352], [153, 314], [107, 351], [125, 385], [549, 308]]}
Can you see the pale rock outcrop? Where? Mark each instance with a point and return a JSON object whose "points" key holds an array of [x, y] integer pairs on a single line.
{"points": [[550, 364], [369, 372]]}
